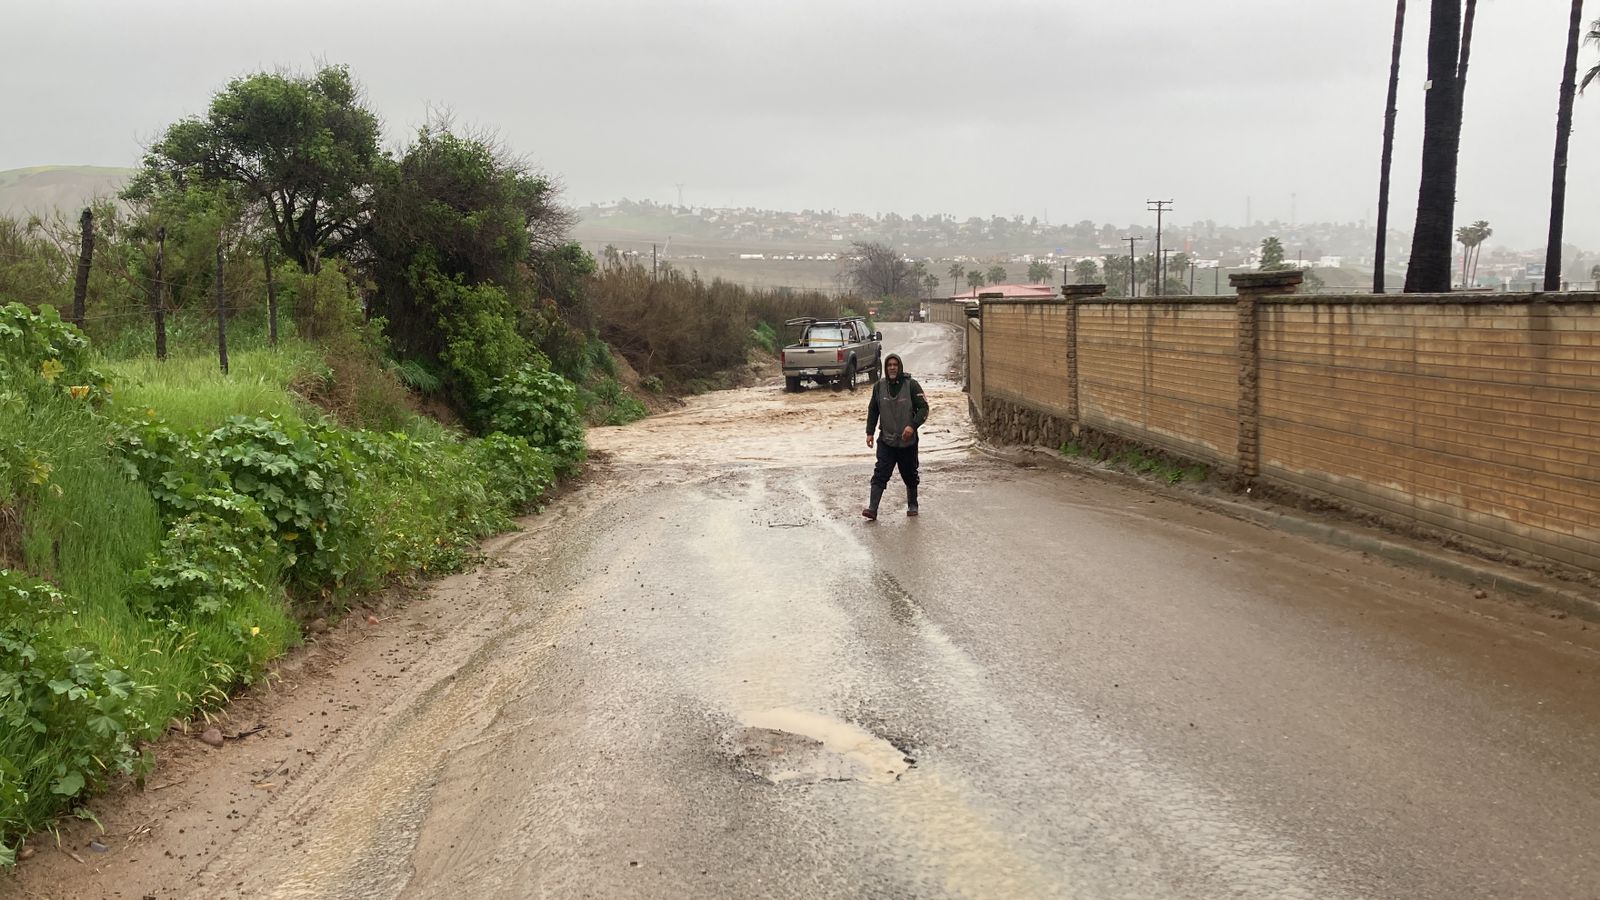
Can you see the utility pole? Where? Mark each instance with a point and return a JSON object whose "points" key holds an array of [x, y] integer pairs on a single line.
{"points": [[652, 261], [1133, 267], [1159, 207]]}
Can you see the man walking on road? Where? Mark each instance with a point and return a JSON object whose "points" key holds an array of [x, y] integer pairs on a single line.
{"points": [[900, 407]]}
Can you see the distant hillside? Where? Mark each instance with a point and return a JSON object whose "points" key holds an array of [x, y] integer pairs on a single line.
{"points": [[45, 190]]}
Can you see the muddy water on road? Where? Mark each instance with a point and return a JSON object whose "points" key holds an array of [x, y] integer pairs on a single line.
{"points": [[704, 675]]}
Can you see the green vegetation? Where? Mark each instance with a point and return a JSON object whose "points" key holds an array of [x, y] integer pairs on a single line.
{"points": [[155, 555], [414, 345], [678, 329], [1139, 461]]}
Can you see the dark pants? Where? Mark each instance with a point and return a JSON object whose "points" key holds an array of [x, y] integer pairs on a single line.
{"points": [[888, 458]]}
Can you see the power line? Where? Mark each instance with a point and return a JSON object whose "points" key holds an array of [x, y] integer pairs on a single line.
{"points": [[1133, 267], [1158, 207]]}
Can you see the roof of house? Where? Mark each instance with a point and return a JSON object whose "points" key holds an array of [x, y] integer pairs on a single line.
{"points": [[1011, 291]]}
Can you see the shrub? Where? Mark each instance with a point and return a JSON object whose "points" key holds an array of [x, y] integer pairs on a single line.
{"points": [[541, 406], [516, 470], [298, 477], [42, 355], [70, 717], [210, 561]]}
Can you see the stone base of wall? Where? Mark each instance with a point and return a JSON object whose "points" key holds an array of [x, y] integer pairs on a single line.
{"points": [[1005, 422]]}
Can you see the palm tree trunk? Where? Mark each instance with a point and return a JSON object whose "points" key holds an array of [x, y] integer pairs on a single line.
{"points": [[1558, 190], [1441, 140], [1388, 149]]}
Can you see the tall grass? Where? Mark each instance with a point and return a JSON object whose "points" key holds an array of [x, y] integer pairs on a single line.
{"points": [[90, 527], [190, 391]]}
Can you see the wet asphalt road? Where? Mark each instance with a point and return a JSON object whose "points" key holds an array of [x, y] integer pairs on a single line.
{"points": [[710, 678]]}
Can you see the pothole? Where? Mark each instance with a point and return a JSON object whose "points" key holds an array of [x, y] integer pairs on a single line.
{"points": [[787, 746]]}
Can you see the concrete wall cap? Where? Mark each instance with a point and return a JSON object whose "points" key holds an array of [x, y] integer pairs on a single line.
{"points": [[1261, 280]]}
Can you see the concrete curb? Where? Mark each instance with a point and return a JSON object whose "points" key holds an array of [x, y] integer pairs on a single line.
{"points": [[1438, 561]]}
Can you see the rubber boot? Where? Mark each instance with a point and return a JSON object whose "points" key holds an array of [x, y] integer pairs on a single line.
{"points": [[871, 511], [911, 501]]}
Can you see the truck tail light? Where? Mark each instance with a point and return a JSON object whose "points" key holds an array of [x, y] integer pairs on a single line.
{"points": [[841, 356], [783, 357]]}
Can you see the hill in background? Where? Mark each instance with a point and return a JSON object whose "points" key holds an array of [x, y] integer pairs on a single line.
{"points": [[46, 190]]}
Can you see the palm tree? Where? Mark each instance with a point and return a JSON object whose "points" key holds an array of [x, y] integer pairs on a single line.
{"points": [[975, 280], [1441, 143], [997, 274], [1592, 37], [1471, 238], [1480, 232], [957, 272], [1388, 148], [1558, 188]]}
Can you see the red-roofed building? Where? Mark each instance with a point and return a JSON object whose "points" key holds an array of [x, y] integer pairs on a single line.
{"points": [[1012, 292]]}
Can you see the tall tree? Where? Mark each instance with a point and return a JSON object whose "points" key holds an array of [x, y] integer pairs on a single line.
{"points": [[1272, 255], [1441, 141], [1480, 232], [1039, 271], [878, 270], [300, 150], [957, 272], [974, 280], [1379, 260], [997, 274], [1593, 37], [1086, 271], [1558, 189]]}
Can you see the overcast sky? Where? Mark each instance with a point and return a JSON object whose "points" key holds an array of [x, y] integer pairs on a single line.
{"points": [[1082, 108]]}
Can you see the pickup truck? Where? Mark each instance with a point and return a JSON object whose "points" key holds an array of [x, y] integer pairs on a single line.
{"points": [[832, 351]]}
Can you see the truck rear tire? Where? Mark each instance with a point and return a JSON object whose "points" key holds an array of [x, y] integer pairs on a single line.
{"points": [[850, 375], [791, 384]]}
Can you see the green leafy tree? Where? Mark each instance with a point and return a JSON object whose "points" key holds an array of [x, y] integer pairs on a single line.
{"points": [[1272, 255], [957, 273], [1039, 272], [996, 274], [1086, 271], [1116, 268], [452, 246], [974, 279], [930, 283], [301, 152]]}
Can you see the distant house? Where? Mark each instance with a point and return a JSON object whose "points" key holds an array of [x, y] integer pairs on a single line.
{"points": [[1011, 292]]}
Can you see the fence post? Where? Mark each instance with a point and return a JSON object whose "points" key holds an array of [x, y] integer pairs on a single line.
{"points": [[158, 298], [222, 314], [272, 297], [1251, 287], [80, 288], [1075, 294]]}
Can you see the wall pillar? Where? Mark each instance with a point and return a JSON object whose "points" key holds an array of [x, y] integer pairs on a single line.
{"points": [[1075, 294], [1251, 287]]}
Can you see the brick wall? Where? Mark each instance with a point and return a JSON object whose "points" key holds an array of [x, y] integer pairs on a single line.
{"points": [[1026, 355], [974, 338], [950, 312], [1477, 415], [1165, 374]]}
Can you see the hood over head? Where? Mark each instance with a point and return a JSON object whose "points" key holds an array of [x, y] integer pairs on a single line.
{"points": [[896, 358]]}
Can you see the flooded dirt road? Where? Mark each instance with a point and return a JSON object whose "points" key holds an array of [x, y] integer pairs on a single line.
{"points": [[704, 675]]}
